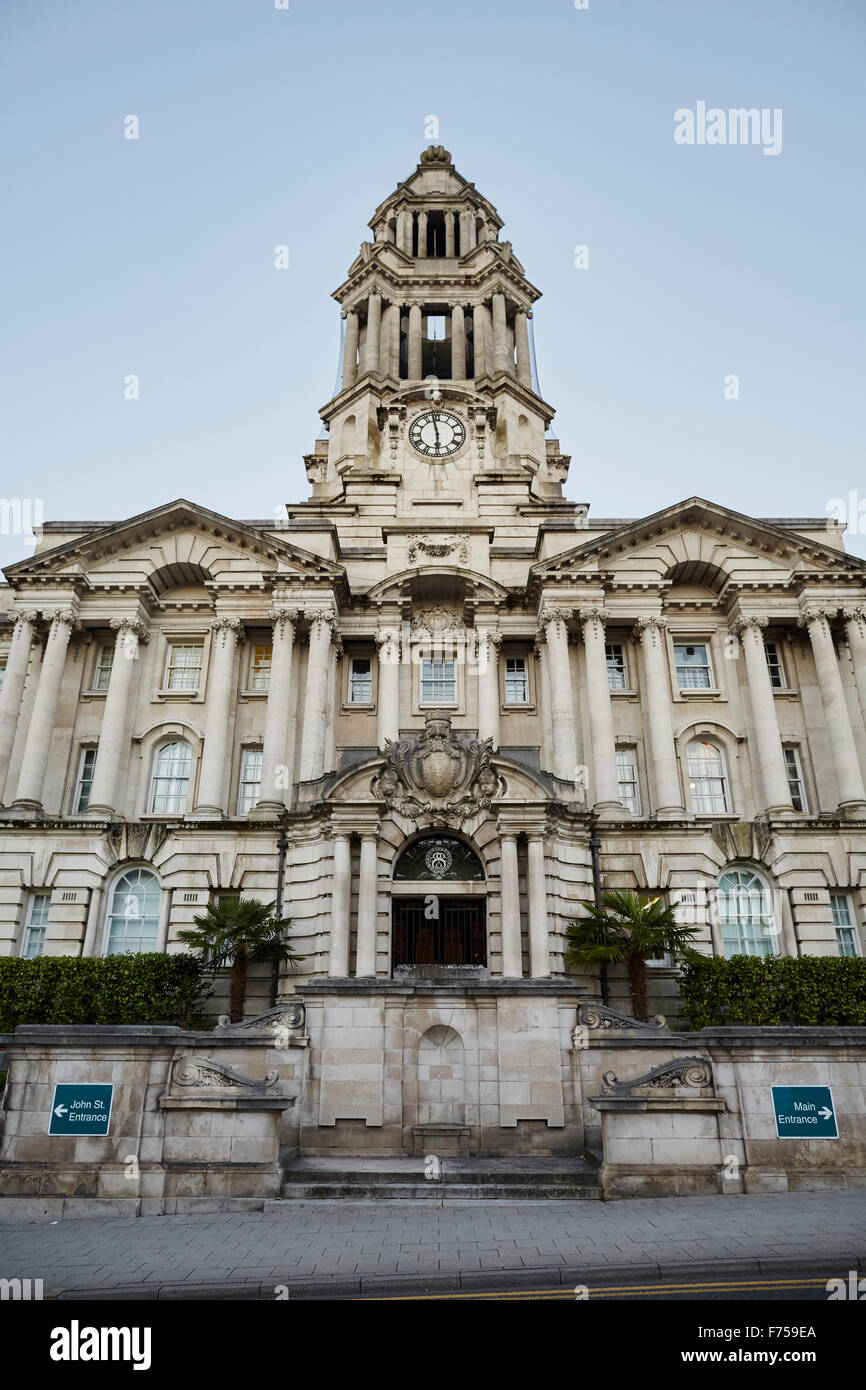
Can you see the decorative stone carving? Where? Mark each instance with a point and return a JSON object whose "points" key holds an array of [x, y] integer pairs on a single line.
{"points": [[323, 613], [748, 620], [693, 1072], [816, 613], [435, 154], [203, 1073], [439, 548], [599, 1017], [134, 626], [227, 629], [654, 627], [289, 1016], [436, 625], [553, 615], [279, 615], [440, 778]]}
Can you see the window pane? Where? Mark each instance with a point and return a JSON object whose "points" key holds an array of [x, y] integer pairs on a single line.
{"points": [[693, 667], [361, 681], [626, 771], [85, 778], [438, 682], [746, 914], [170, 779], [706, 768], [251, 780], [616, 674], [102, 669], [841, 908], [516, 681], [774, 666], [795, 780], [845, 941], [133, 917], [260, 668], [184, 666], [33, 943]]}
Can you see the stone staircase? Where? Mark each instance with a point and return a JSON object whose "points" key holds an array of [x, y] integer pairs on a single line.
{"points": [[460, 1179]]}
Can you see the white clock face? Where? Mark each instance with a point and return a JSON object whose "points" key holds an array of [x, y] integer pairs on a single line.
{"points": [[437, 434]]}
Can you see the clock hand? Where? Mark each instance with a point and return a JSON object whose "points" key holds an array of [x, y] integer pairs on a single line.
{"points": [[436, 432]]}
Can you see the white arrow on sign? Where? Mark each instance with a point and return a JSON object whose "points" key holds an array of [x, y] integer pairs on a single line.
{"points": [[60, 1110], [825, 1113]]}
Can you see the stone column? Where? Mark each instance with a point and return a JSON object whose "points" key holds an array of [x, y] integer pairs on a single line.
{"points": [[415, 342], [849, 780], [521, 343], [388, 693], [350, 349], [471, 237], [512, 963], [389, 352], [855, 629], [274, 790], [227, 633], [449, 233], [542, 657], [605, 781], [464, 231], [13, 687], [322, 621], [374, 330], [501, 356], [458, 344], [554, 621], [404, 230], [665, 795], [768, 744], [422, 235], [341, 897], [365, 959], [113, 743], [31, 778], [479, 342], [488, 684], [539, 941]]}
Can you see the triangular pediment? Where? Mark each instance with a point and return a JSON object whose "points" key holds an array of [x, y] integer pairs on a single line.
{"points": [[175, 544], [702, 543]]}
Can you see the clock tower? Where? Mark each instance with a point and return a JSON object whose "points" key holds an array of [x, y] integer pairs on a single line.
{"points": [[438, 393]]}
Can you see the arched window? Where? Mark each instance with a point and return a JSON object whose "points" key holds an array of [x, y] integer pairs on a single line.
{"points": [[133, 913], [707, 778], [746, 914], [438, 857], [169, 784]]}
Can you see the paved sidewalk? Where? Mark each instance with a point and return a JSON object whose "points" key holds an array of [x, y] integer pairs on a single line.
{"points": [[340, 1248]]}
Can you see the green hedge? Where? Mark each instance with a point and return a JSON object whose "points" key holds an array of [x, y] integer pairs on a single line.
{"points": [[147, 988], [804, 990]]}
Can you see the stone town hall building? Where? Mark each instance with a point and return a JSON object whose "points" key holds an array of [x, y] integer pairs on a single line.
{"points": [[435, 676]]}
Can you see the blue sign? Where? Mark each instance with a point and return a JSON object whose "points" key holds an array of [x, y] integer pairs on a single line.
{"points": [[81, 1108], [804, 1112]]}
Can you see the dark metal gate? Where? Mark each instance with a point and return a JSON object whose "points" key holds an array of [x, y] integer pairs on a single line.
{"points": [[456, 935]]}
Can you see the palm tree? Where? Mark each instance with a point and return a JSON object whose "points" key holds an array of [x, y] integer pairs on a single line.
{"points": [[238, 931], [624, 927]]}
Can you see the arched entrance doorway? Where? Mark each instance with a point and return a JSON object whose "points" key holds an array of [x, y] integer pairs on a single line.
{"points": [[439, 907]]}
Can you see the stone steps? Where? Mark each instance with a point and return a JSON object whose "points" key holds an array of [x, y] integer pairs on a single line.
{"points": [[473, 1179]]}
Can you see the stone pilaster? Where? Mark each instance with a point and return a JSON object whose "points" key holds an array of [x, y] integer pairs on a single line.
{"points": [[539, 936], [113, 741], [488, 684], [226, 634], [37, 748], [605, 787], [553, 622], [388, 697], [665, 791], [458, 343], [275, 789], [770, 757], [322, 620], [512, 963]]}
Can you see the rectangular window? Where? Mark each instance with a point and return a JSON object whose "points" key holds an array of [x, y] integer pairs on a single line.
{"points": [[843, 924], [439, 681], [626, 772], [795, 779], [36, 926], [260, 667], [693, 666], [102, 666], [183, 666], [774, 665], [617, 675], [251, 780], [86, 764], [516, 681], [361, 681], [435, 328]]}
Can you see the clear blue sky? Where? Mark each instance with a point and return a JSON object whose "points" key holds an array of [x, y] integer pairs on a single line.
{"points": [[261, 126]]}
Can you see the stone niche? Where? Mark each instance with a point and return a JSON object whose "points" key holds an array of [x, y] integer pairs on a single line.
{"points": [[461, 1068]]}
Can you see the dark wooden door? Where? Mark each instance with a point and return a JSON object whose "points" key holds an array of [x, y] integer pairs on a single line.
{"points": [[456, 934]]}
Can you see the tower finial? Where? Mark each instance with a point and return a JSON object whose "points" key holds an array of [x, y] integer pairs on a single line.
{"points": [[435, 154]]}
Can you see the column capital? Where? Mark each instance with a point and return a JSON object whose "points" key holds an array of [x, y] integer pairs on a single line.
{"points": [[224, 627], [652, 627], [816, 613], [26, 615], [280, 614], [595, 614], [133, 626], [321, 613], [67, 616], [855, 615], [385, 635], [554, 614], [744, 621]]}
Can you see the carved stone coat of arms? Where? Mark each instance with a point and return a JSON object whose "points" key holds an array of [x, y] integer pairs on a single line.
{"points": [[440, 777]]}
